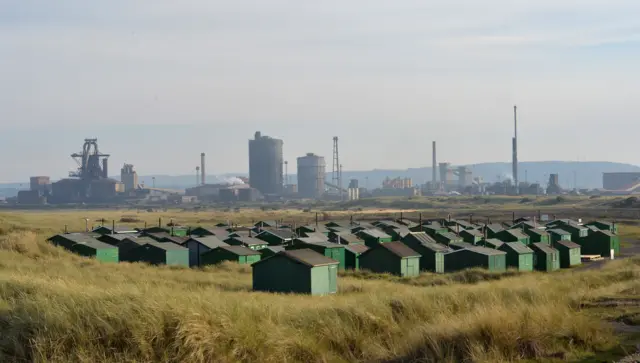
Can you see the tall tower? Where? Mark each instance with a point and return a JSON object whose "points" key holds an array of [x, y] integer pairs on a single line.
{"points": [[266, 164], [336, 180], [434, 166], [204, 174], [515, 150]]}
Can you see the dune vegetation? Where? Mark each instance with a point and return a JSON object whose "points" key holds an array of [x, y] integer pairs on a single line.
{"points": [[58, 307]]}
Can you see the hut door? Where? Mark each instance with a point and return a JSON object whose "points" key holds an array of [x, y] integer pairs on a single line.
{"points": [[333, 276], [612, 253]]}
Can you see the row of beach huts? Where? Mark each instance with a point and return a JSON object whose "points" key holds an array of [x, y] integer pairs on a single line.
{"points": [[306, 259]]}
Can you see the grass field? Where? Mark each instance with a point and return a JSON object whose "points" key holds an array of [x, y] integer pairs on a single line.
{"points": [[57, 307]]}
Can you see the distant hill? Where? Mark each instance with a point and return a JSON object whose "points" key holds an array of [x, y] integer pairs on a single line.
{"points": [[588, 174]]}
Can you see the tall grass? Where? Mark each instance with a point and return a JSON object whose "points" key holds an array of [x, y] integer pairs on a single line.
{"points": [[57, 307]]}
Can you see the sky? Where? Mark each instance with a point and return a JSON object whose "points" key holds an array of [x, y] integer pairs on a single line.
{"points": [[158, 82]]}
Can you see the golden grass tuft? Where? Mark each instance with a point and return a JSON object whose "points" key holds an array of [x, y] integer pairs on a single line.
{"points": [[57, 307]]}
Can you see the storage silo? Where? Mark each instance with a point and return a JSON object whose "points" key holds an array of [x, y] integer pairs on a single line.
{"points": [[266, 164], [311, 173]]}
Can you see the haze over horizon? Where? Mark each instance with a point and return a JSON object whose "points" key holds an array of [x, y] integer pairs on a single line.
{"points": [[158, 84]]}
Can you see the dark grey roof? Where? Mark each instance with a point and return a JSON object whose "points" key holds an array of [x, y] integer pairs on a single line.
{"points": [[399, 249], [568, 244], [486, 251], [275, 249], [358, 249], [558, 231], [495, 227], [77, 237], [421, 237], [281, 233], [249, 241], [450, 236], [308, 257], [461, 244], [348, 238], [266, 223], [94, 243], [209, 241], [473, 232], [310, 240], [216, 231], [317, 235], [518, 247], [540, 232], [516, 233], [544, 247], [239, 250], [496, 242], [376, 233], [326, 244], [118, 237], [167, 246]]}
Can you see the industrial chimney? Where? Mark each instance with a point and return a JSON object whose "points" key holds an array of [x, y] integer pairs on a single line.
{"points": [[515, 151], [105, 168], [202, 171], [434, 166]]}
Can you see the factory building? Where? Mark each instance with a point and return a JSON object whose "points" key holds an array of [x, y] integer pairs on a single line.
{"points": [[128, 177], [265, 164], [620, 181], [311, 174], [40, 184]]}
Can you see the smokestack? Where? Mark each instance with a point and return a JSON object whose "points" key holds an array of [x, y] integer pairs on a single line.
{"points": [[434, 165], [202, 171], [515, 150], [105, 168]]}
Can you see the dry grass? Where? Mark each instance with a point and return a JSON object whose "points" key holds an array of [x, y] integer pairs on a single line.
{"points": [[57, 307]]}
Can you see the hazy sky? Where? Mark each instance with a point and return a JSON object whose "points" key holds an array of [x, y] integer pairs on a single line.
{"points": [[160, 81]]}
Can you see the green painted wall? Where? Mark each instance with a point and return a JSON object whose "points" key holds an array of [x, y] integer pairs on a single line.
{"points": [[324, 280], [599, 244], [280, 274], [464, 259], [100, 254]]}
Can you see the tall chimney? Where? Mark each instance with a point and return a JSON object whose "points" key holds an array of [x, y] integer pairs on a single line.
{"points": [[105, 168], [515, 150], [434, 166], [202, 171]]}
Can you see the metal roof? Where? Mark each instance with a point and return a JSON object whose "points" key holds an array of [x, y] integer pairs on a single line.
{"points": [[358, 249], [516, 233], [348, 238], [95, 244], [568, 244], [209, 241], [420, 237], [167, 246], [305, 256], [326, 244], [486, 251], [544, 247], [399, 249], [518, 247], [473, 232], [496, 242], [558, 231], [77, 237], [275, 249], [450, 236], [281, 233], [239, 250], [317, 235], [376, 233], [249, 241]]}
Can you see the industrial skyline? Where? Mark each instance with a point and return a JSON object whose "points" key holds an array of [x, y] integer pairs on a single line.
{"points": [[374, 73]]}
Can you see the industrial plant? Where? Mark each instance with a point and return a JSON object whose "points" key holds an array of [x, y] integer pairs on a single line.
{"points": [[269, 180]]}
